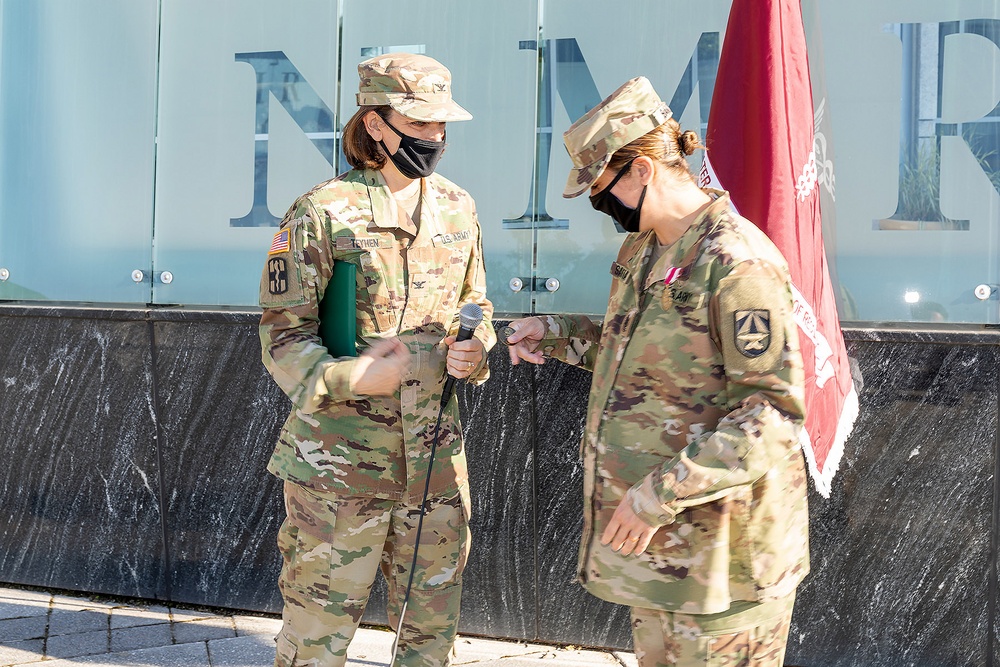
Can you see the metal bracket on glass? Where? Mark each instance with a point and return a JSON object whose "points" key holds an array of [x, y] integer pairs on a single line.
{"points": [[165, 277], [138, 276], [4, 275], [985, 292], [538, 284]]}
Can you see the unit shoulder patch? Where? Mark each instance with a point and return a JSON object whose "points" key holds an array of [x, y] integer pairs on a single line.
{"points": [[277, 275], [752, 331], [280, 283], [753, 314]]}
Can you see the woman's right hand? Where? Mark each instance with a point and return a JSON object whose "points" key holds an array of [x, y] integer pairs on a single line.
{"points": [[380, 369], [523, 342]]}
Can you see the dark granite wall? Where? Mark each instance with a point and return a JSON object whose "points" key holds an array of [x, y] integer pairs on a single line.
{"points": [[135, 443]]}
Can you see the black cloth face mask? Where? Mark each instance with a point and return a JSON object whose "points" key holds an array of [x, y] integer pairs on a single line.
{"points": [[415, 158], [607, 203]]}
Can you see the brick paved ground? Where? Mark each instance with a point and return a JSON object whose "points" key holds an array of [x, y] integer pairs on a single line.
{"points": [[58, 630]]}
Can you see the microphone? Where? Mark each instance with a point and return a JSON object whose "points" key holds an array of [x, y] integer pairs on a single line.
{"points": [[469, 317]]}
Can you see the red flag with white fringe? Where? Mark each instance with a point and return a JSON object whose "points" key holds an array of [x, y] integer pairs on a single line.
{"points": [[760, 149]]}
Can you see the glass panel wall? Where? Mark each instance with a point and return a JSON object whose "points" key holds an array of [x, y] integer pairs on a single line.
{"points": [[246, 124], [913, 103], [488, 48], [251, 94], [583, 62], [77, 90]]}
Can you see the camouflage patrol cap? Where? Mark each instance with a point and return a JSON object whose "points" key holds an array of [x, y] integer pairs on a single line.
{"points": [[416, 86], [625, 115]]}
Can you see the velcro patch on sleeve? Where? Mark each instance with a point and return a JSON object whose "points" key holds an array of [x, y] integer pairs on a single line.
{"points": [[280, 282], [277, 276], [752, 317]]}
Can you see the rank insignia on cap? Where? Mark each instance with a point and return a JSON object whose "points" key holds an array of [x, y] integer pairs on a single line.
{"points": [[753, 332], [277, 275], [279, 243]]}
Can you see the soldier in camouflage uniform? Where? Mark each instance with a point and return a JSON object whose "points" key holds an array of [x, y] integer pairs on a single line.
{"points": [[695, 486], [354, 451]]}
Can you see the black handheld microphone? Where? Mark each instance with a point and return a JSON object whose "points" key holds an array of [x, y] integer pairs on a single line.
{"points": [[469, 318]]}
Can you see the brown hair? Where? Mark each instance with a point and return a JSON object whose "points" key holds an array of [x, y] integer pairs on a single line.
{"points": [[666, 144], [361, 151]]}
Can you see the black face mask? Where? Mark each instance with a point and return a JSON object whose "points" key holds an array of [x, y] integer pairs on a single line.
{"points": [[415, 158], [607, 203]]}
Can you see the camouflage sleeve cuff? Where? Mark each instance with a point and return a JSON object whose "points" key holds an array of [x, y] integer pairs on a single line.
{"points": [[337, 377], [567, 337], [646, 503]]}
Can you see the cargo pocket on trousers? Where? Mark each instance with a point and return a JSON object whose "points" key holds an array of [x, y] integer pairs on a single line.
{"points": [[761, 646], [306, 557], [312, 569], [285, 651]]}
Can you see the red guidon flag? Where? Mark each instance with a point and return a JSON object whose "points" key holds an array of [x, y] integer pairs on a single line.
{"points": [[760, 149]]}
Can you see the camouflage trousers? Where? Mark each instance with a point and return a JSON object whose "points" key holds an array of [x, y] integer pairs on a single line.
{"points": [[332, 547], [748, 634]]}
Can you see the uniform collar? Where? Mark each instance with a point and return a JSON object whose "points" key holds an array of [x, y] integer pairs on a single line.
{"points": [[700, 227], [385, 209], [683, 252]]}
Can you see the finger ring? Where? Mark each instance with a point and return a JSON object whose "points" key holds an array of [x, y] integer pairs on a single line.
{"points": [[469, 365], [633, 539]]}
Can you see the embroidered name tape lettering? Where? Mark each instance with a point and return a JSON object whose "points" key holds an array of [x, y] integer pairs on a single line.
{"points": [[679, 296], [280, 242], [351, 243], [452, 237], [621, 272]]}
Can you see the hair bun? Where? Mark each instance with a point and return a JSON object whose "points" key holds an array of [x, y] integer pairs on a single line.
{"points": [[689, 142]]}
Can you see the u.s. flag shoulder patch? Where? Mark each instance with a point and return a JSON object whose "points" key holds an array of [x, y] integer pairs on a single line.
{"points": [[280, 242]]}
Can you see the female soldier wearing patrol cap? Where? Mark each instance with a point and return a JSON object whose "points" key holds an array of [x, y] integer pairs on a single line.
{"points": [[354, 451], [695, 487]]}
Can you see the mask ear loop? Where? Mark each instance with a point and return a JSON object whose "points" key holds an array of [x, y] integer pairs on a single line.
{"points": [[381, 142], [390, 126], [624, 170]]}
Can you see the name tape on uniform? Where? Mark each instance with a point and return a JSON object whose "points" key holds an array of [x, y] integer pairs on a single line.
{"points": [[678, 296], [353, 243], [620, 271], [452, 237]]}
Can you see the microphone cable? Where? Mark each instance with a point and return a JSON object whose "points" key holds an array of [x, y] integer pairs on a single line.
{"points": [[470, 316], [420, 525]]}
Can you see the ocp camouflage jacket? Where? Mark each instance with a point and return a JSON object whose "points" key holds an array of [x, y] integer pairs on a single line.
{"points": [[694, 418], [337, 441]]}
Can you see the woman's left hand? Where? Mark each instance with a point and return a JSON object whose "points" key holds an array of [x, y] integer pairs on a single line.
{"points": [[627, 533], [463, 356]]}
